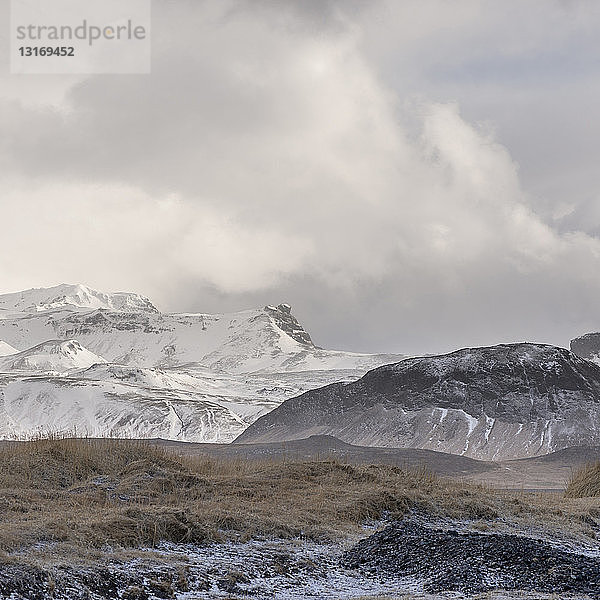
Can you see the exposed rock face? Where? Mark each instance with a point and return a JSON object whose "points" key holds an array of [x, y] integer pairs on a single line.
{"points": [[282, 315], [500, 402], [587, 346]]}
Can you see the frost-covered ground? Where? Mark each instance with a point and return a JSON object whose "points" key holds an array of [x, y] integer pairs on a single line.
{"points": [[281, 570], [108, 519], [259, 569]]}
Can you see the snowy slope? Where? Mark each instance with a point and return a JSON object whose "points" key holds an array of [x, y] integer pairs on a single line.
{"points": [[54, 356], [6, 349], [112, 364], [114, 408], [72, 297], [111, 400]]}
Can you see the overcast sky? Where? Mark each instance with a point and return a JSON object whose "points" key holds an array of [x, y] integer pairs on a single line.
{"points": [[411, 176]]}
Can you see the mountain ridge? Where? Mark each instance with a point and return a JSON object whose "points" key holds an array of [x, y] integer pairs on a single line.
{"points": [[182, 376], [498, 402], [73, 296], [267, 339]]}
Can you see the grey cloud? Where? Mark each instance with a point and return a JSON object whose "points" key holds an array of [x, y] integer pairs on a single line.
{"points": [[308, 16], [292, 152]]}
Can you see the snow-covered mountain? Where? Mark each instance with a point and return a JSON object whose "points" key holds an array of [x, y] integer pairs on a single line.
{"points": [[52, 357], [72, 297], [269, 339], [500, 402], [111, 364]]}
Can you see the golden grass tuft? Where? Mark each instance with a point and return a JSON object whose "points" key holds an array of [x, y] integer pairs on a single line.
{"points": [[584, 482]]}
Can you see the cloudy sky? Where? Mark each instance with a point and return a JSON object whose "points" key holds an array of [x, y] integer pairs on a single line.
{"points": [[412, 176]]}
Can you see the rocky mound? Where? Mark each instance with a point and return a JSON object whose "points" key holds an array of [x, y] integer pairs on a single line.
{"points": [[493, 403], [467, 562]]}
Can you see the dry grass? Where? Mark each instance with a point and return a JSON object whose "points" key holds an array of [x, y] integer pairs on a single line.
{"points": [[584, 482], [94, 493]]}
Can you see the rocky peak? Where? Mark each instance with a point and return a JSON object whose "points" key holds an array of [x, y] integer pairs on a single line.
{"points": [[284, 320], [587, 346]]}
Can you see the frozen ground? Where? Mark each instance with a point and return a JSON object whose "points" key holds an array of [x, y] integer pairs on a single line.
{"points": [[282, 569]]}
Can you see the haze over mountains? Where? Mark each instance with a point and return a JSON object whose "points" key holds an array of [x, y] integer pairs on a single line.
{"points": [[75, 359]]}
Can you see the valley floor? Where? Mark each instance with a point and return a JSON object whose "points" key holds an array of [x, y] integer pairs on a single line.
{"points": [[545, 472], [102, 519]]}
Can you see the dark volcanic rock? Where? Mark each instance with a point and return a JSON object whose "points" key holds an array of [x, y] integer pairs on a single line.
{"points": [[23, 581], [473, 562], [500, 402], [587, 346]]}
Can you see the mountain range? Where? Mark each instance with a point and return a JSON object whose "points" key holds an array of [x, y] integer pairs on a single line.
{"points": [[78, 360]]}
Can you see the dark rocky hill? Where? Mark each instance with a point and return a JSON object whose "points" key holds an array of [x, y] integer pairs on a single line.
{"points": [[500, 402]]}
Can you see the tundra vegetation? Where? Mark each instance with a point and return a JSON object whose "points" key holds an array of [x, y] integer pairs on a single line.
{"points": [[65, 499], [94, 492], [584, 482]]}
